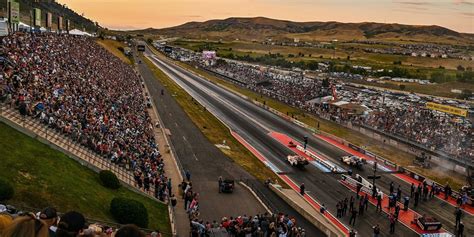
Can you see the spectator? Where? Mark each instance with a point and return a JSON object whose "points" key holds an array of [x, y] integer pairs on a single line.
{"points": [[129, 231], [50, 217], [26, 226], [5, 221], [70, 224]]}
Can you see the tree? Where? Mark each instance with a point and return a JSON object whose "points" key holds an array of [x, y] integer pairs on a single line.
{"points": [[438, 77], [6, 190], [109, 179], [460, 68], [402, 87], [466, 94], [129, 211], [312, 65]]}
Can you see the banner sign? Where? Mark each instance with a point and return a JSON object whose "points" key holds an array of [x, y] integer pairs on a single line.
{"points": [[68, 25], [60, 23], [14, 14], [49, 20], [447, 109], [37, 17]]}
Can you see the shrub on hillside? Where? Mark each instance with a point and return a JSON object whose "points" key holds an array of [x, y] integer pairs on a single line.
{"points": [[6, 190], [129, 211], [109, 179]]}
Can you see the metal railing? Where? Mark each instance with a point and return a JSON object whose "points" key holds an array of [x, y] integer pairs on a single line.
{"points": [[68, 145]]}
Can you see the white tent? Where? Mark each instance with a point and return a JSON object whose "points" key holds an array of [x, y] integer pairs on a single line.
{"points": [[78, 32], [24, 26]]}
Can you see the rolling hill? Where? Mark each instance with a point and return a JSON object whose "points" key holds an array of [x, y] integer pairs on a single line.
{"points": [[261, 28]]}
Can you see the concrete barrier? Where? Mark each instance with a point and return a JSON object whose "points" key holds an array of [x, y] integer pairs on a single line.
{"points": [[297, 202]]}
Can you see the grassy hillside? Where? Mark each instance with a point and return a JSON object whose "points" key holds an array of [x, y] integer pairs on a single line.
{"points": [[45, 177]]}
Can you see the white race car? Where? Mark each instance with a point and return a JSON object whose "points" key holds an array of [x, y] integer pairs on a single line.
{"points": [[353, 161], [297, 161]]}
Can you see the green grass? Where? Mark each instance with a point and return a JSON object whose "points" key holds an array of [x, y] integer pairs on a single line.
{"points": [[113, 47], [214, 130], [391, 153], [441, 89], [45, 177]]}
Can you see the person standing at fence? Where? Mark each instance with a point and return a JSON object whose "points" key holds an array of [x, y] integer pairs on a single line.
{"points": [[344, 207], [366, 202], [412, 190], [376, 229], [220, 182], [399, 193], [379, 202], [188, 175], [302, 189], [417, 198], [392, 220], [353, 217], [460, 232], [351, 204], [458, 215]]}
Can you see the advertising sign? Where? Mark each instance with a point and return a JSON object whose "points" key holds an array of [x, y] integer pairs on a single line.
{"points": [[49, 20], [447, 109], [37, 17], [68, 25], [14, 15], [60, 23]]}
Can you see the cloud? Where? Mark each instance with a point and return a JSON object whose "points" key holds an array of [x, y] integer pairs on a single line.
{"points": [[415, 3], [464, 2]]}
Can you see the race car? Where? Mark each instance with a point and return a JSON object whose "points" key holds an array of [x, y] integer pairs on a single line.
{"points": [[297, 161], [354, 161]]}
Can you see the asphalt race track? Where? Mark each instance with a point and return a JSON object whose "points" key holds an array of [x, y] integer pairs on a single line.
{"points": [[254, 124], [206, 163]]}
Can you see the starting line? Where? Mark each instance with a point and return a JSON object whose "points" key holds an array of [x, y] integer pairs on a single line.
{"points": [[291, 183], [452, 201], [321, 163], [404, 217]]}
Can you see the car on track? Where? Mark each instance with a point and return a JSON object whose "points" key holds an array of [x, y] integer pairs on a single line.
{"points": [[297, 161], [228, 185], [353, 161]]}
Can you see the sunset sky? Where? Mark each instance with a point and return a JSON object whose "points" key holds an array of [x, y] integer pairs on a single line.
{"points": [[136, 14]]}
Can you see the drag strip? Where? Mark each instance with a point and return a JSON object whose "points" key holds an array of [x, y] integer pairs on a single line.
{"points": [[245, 119]]}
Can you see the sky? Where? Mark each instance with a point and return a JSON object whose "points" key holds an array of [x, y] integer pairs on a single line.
{"points": [[138, 14]]}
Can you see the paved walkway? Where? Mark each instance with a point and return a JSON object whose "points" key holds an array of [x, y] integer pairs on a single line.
{"points": [[172, 170]]}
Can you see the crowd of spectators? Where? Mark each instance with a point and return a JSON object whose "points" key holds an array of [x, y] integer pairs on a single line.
{"points": [[49, 223], [405, 116], [260, 225], [77, 87]]}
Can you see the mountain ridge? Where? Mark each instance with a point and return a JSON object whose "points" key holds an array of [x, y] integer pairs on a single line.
{"points": [[260, 28]]}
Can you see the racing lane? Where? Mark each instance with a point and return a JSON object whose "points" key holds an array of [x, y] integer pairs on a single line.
{"points": [[324, 187]]}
